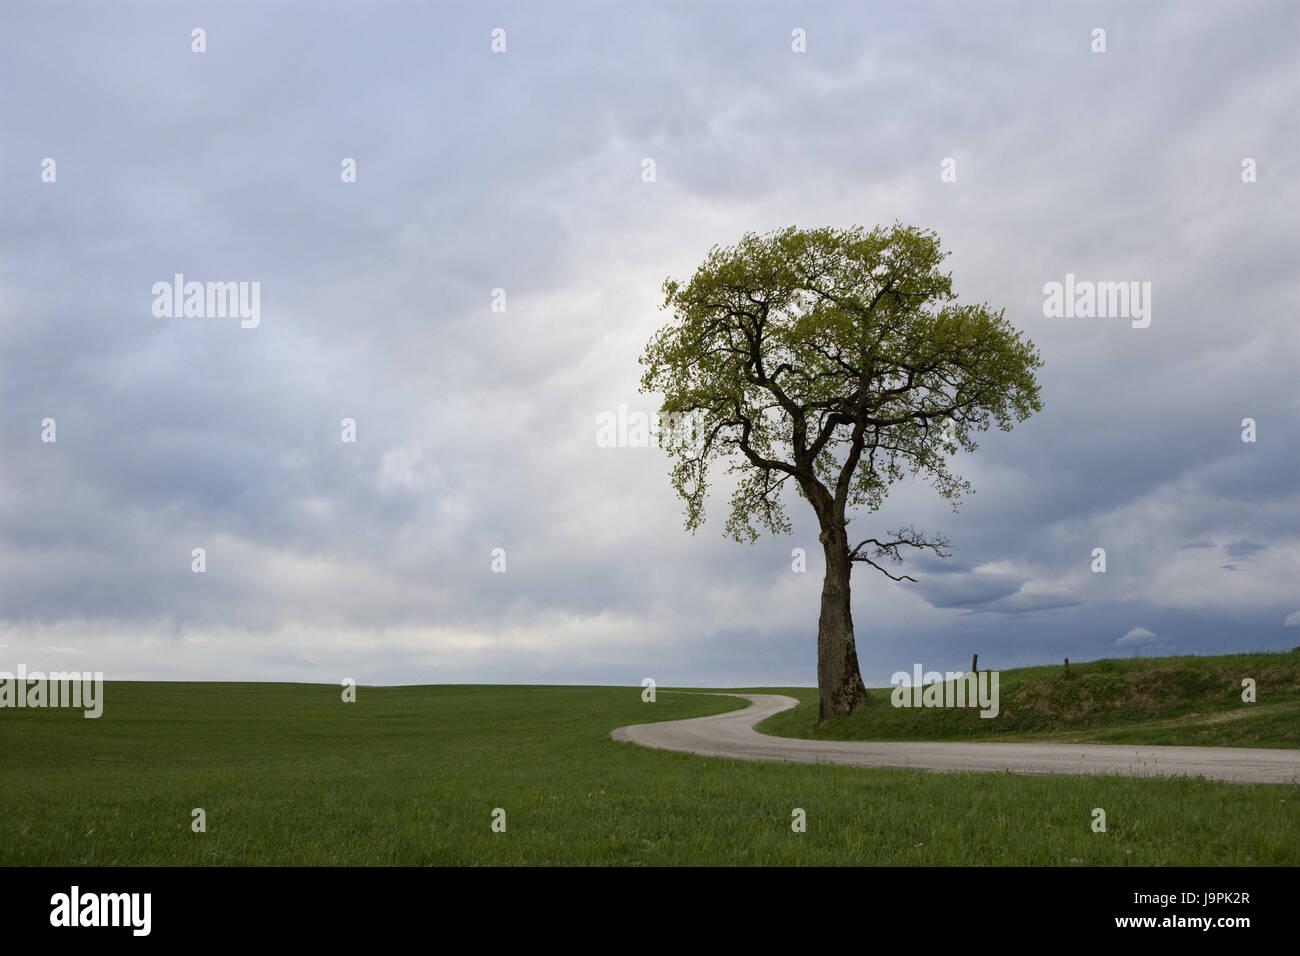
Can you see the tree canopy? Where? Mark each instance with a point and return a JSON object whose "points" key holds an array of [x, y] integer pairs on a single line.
{"points": [[838, 358]]}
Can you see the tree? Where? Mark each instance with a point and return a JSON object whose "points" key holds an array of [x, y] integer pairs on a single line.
{"points": [[839, 362]]}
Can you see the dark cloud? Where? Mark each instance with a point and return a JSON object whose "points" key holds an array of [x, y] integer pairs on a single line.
{"points": [[970, 590], [1244, 549]]}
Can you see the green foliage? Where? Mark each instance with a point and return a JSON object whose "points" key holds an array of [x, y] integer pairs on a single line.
{"points": [[836, 360]]}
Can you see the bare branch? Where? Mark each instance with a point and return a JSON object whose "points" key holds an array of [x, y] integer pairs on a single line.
{"points": [[904, 537], [900, 577]]}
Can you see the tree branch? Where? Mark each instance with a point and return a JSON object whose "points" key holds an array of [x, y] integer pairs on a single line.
{"points": [[900, 577], [906, 536]]}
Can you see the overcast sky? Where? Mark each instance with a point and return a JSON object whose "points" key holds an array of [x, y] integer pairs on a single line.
{"points": [[476, 429]]}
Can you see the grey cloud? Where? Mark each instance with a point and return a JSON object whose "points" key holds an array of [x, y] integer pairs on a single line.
{"points": [[970, 590], [475, 428], [1244, 549]]}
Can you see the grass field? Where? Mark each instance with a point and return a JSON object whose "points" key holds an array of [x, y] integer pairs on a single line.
{"points": [[1148, 700], [288, 774]]}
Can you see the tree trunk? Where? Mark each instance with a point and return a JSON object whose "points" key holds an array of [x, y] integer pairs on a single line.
{"points": [[839, 682]]}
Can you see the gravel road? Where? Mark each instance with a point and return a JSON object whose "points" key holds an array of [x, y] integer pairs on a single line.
{"points": [[733, 735]]}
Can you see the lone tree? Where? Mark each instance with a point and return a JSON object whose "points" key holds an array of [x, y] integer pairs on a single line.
{"points": [[836, 360]]}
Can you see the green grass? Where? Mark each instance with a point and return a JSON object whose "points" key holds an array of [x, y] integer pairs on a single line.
{"points": [[288, 774], [1153, 700]]}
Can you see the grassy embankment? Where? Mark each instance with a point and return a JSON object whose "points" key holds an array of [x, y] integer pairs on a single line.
{"points": [[1146, 700]]}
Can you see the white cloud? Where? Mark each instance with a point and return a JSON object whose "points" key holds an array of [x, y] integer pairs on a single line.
{"points": [[1139, 635]]}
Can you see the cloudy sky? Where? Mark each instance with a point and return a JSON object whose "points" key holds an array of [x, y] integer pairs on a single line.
{"points": [[475, 428]]}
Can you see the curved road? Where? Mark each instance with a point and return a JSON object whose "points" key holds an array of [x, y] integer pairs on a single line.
{"points": [[733, 735]]}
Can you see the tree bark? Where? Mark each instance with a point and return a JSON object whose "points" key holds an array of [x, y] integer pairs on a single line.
{"points": [[839, 681]]}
